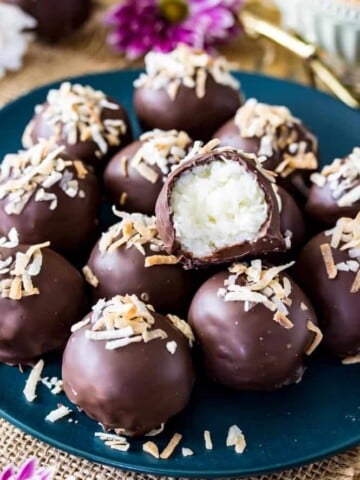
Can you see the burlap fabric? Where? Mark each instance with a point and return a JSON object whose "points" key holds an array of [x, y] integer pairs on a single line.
{"points": [[87, 52]]}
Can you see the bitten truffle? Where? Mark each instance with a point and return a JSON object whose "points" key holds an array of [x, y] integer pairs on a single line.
{"points": [[135, 176], [218, 206], [42, 295], [328, 270], [128, 367], [47, 196], [130, 258], [289, 148], [90, 125], [56, 20], [254, 326], [335, 191], [187, 90]]}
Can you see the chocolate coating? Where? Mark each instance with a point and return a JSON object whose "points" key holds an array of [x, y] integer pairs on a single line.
{"points": [[292, 220], [136, 387], [167, 287], [199, 117], [83, 150], [37, 324], [270, 241], [337, 308], [68, 227], [249, 350], [56, 20]]}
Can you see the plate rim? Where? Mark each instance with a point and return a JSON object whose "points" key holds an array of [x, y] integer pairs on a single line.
{"points": [[159, 468]]}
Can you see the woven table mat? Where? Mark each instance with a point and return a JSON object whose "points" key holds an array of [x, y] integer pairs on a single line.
{"points": [[87, 52]]}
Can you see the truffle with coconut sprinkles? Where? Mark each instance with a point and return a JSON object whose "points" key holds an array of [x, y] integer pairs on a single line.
{"points": [[127, 341], [252, 328], [217, 206]]}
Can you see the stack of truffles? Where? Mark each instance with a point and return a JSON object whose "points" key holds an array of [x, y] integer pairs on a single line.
{"points": [[214, 209]]}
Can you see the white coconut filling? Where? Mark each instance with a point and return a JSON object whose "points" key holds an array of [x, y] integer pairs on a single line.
{"points": [[217, 205]]}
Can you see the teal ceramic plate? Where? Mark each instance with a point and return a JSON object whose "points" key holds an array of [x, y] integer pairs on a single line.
{"points": [[291, 427]]}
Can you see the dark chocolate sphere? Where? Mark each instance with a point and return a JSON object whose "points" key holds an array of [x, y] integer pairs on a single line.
{"points": [[248, 349], [56, 19], [186, 90], [91, 125], [65, 213], [335, 191], [125, 183], [337, 307], [40, 322], [289, 147], [136, 387], [122, 270]]}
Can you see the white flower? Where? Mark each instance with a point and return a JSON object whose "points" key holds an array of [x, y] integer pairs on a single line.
{"points": [[14, 39]]}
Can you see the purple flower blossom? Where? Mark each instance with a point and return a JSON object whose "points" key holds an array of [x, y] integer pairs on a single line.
{"points": [[28, 471], [139, 26]]}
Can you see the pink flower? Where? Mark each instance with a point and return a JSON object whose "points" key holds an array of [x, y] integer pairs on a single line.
{"points": [[140, 26], [28, 471]]}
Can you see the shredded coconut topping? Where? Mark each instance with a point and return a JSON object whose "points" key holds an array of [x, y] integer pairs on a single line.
{"points": [[256, 283], [18, 271], [235, 438], [34, 172], [342, 177], [160, 148], [345, 236], [124, 320], [135, 230], [274, 124], [184, 66], [75, 112]]}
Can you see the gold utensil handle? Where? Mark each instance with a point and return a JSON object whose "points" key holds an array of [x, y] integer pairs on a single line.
{"points": [[254, 26]]}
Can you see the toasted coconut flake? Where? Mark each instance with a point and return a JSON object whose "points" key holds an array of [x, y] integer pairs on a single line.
{"points": [[352, 360], [90, 277], [80, 324], [282, 320], [208, 441], [304, 307], [183, 327], [12, 239], [328, 258], [33, 380], [110, 436], [81, 170], [184, 66], [171, 347], [121, 447], [169, 449], [156, 431], [186, 452], [58, 413], [355, 287], [152, 260], [235, 438], [123, 198], [317, 339], [151, 448], [124, 166], [147, 172]]}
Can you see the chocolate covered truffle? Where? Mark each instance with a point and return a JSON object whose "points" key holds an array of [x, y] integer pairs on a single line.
{"points": [[335, 191], [55, 19], [255, 327], [91, 125], [218, 206], [187, 90], [47, 196], [130, 258], [128, 367], [289, 148], [135, 176], [42, 295], [328, 270]]}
